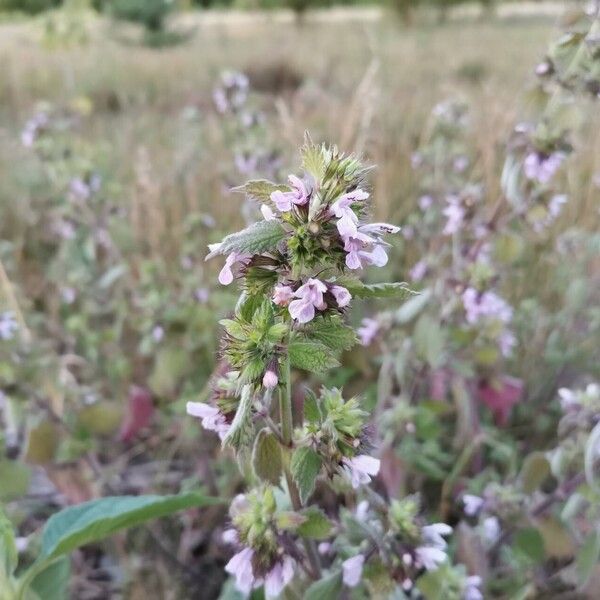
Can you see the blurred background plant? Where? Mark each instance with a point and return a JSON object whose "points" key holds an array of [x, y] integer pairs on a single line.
{"points": [[114, 167]]}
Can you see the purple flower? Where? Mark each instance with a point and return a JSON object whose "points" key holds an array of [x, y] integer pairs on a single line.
{"points": [[486, 305], [282, 294], [556, 204], [352, 569], [491, 530], [309, 296], [360, 469], [240, 566], [429, 557], [79, 189], [455, 214], [367, 331], [418, 271], [284, 201], [202, 295], [542, 168], [8, 325], [246, 163], [472, 504], [364, 250], [568, 399], [472, 591], [279, 576], [212, 418], [267, 212], [341, 294], [433, 534], [425, 202], [230, 536], [235, 258], [460, 164], [158, 333]]}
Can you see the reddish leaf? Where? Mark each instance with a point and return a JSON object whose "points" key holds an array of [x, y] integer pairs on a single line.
{"points": [[500, 395], [140, 410]]}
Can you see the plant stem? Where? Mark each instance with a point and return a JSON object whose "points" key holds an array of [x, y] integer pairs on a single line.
{"points": [[287, 427]]}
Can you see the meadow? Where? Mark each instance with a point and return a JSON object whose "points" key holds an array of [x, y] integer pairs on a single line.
{"points": [[110, 316]]}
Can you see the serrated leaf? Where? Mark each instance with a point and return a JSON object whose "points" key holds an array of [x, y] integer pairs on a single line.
{"points": [[241, 428], [327, 588], [266, 457], [588, 557], [305, 467], [92, 521], [311, 356], [313, 159], [259, 237], [399, 290], [332, 332], [316, 526], [312, 412], [260, 190]]}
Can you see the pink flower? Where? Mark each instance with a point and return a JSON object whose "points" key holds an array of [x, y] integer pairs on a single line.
{"points": [[282, 294], [360, 469], [341, 294], [418, 271], [230, 536], [240, 566], [433, 534], [267, 213], [542, 168], [473, 504], [485, 305], [309, 296], [455, 214], [278, 577], [367, 331], [352, 569], [227, 272], [212, 418], [429, 557], [285, 200], [270, 379]]}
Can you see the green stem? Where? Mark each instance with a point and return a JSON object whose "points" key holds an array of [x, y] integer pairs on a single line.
{"points": [[287, 427]]}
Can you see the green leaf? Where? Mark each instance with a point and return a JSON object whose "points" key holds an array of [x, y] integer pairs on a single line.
{"points": [[266, 457], [313, 159], [588, 557], [9, 557], [14, 479], [536, 469], [429, 340], [332, 332], [92, 521], [305, 466], [411, 308], [398, 291], [259, 237], [531, 543], [327, 588], [260, 189], [317, 526], [52, 583], [312, 412], [311, 356], [240, 431]]}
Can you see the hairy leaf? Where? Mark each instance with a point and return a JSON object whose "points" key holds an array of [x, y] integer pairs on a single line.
{"points": [[311, 356], [332, 332], [260, 189], [305, 466], [316, 526], [266, 457], [241, 428], [259, 237], [358, 289]]}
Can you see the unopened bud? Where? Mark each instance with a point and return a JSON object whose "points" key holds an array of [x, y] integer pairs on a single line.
{"points": [[270, 379]]}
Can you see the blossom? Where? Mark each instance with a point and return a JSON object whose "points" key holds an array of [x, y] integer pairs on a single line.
{"points": [[282, 294], [212, 418], [270, 379], [158, 333], [430, 557], [568, 399], [240, 566], [267, 213], [284, 201], [230, 536], [352, 569], [491, 530], [473, 504], [542, 168], [309, 296], [342, 209], [360, 469], [324, 548], [362, 510], [8, 325], [341, 294], [418, 271], [433, 534], [367, 331], [79, 189], [278, 577], [472, 591], [556, 204], [455, 214], [425, 202], [235, 258], [485, 305]]}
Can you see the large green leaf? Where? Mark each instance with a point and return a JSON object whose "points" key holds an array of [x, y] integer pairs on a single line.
{"points": [[311, 356], [52, 583], [332, 332], [266, 457], [259, 237], [92, 521]]}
